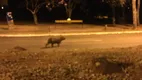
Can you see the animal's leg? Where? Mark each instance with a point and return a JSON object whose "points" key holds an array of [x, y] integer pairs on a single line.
{"points": [[52, 44], [58, 44], [46, 44]]}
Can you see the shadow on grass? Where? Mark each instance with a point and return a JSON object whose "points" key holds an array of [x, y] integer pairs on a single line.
{"points": [[4, 28], [48, 47], [103, 66]]}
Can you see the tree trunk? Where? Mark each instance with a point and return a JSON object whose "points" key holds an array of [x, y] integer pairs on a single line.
{"points": [[134, 10], [138, 11], [123, 14], [69, 13], [113, 17], [35, 18], [123, 11]]}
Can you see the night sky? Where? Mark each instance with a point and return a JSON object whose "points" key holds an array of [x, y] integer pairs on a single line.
{"points": [[93, 8]]}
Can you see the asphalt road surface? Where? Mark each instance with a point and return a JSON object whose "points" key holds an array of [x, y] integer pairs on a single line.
{"points": [[73, 42]]}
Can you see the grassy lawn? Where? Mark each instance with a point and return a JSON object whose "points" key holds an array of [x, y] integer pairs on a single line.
{"points": [[94, 64]]}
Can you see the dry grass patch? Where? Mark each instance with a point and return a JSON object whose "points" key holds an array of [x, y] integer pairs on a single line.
{"points": [[94, 64]]}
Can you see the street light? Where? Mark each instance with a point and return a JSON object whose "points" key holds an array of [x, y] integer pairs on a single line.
{"points": [[69, 19], [2, 7]]}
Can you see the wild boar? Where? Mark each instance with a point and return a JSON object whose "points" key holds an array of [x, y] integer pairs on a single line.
{"points": [[55, 40]]}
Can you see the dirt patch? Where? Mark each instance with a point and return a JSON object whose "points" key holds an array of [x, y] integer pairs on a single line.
{"points": [[18, 48], [103, 66]]}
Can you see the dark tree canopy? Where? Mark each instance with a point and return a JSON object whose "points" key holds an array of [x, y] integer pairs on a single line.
{"points": [[3, 2]]}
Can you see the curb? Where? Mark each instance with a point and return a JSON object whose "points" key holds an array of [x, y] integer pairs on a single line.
{"points": [[68, 34]]}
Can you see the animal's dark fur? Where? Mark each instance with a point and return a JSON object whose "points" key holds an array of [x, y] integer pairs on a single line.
{"points": [[55, 40]]}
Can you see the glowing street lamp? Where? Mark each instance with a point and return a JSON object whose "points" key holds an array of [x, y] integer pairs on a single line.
{"points": [[2, 7], [65, 4], [69, 19]]}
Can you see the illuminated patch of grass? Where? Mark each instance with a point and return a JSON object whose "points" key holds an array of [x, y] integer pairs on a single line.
{"points": [[72, 64]]}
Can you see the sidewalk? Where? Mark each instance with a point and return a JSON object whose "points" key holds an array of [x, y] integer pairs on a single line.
{"points": [[62, 29]]}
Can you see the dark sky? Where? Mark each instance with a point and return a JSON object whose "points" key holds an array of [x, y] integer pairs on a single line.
{"points": [[92, 8], [19, 12]]}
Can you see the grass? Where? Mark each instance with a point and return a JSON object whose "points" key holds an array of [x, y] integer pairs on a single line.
{"points": [[93, 64]]}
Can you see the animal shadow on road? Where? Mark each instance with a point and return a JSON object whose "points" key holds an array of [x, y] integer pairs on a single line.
{"points": [[48, 47], [4, 28], [44, 47]]}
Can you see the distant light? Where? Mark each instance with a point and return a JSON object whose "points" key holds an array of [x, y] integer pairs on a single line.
{"points": [[69, 19], [65, 4], [128, 7], [2, 7]]}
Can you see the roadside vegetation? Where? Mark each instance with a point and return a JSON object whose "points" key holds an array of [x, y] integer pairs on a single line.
{"points": [[94, 64]]}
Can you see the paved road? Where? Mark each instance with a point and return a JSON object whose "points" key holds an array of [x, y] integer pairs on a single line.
{"points": [[73, 42]]}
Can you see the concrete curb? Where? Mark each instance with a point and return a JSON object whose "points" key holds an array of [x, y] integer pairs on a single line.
{"points": [[68, 34]]}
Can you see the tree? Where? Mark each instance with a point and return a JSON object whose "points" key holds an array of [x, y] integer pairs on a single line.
{"points": [[113, 4], [69, 6], [134, 10], [33, 6], [51, 4], [3, 2], [138, 11], [123, 5]]}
